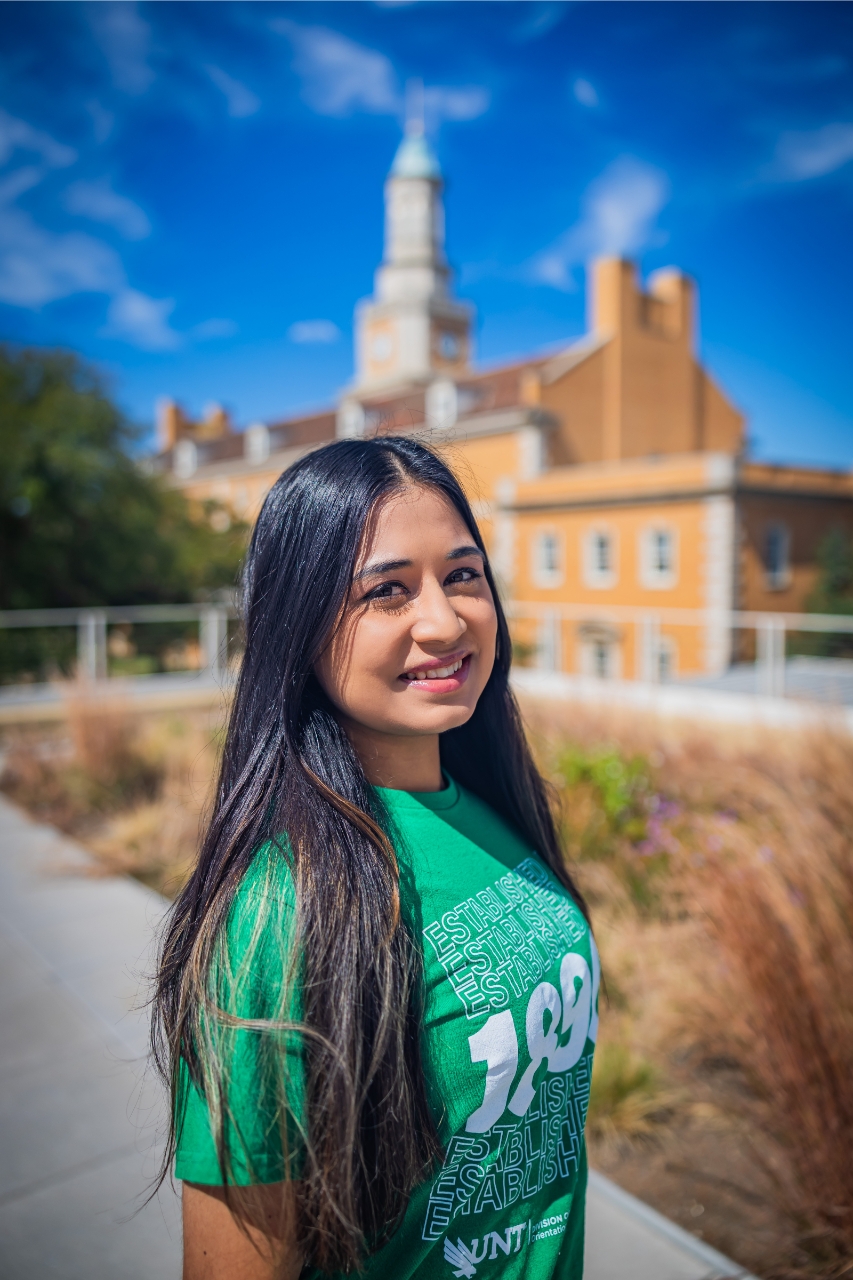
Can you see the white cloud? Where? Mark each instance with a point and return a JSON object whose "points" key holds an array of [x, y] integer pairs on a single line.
{"points": [[17, 182], [338, 75], [39, 266], [124, 41], [585, 93], [314, 331], [811, 153], [142, 321], [240, 100], [620, 209], [17, 133], [98, 201], [446, 103], [214, 328]]}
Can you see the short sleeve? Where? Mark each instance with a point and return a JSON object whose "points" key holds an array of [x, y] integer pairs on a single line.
{"points": [[252, 1066]]}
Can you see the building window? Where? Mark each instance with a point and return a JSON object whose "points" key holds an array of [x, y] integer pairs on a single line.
{"points": [[666, 659], [777, 551], [601, 659], [549, 646], [658, 558], [448, 345], [662, 558], [547, 560], [600, 651], [599, 558]]}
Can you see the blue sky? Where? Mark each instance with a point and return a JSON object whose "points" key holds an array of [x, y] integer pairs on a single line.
{"points": [[191, 194]]}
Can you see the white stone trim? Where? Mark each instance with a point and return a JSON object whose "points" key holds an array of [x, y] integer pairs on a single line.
{"points": [[185, 459], [350, 420], [256, 443], [531, 452], [504, 537], [441, 404], [718, 565]]}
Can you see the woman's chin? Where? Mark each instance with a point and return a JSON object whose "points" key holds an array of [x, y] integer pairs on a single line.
{"points": [[438, 719]]}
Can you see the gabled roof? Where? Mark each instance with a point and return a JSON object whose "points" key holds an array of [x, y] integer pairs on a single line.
{"points": [[480, 396], [482, 391]]}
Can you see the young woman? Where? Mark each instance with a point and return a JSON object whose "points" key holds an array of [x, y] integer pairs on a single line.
{"points": [[377, 998]]}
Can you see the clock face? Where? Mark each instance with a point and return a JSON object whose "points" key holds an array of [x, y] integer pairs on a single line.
{"points": [[448, 345], [381, 346]]}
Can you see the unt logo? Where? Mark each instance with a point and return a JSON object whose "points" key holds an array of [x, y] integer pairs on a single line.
{"points": [[465, 1261]]}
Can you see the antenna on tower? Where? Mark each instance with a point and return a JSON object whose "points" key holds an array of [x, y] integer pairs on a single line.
{"points": [[415, 123]]}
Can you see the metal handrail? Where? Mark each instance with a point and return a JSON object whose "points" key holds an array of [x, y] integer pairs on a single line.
{"points": [[92, 623], [212, 618], [111, 613], [748, 618]]}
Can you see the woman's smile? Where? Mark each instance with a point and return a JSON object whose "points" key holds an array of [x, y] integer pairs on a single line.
{"points": [[440, 675]]}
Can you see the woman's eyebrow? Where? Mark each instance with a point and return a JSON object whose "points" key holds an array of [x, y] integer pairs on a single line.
{"points": [[382, 566], [388, 566]]}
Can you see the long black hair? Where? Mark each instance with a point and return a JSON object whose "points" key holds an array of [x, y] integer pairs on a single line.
{"points": [[288, 767]]}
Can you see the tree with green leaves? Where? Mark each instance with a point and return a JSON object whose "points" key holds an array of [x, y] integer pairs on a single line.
{"points": [[832, 593], [81, 522]]}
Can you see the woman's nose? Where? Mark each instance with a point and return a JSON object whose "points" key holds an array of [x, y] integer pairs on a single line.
{"points": [[437, 621]]}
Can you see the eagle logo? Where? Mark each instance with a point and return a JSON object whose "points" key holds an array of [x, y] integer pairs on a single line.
{"points": [[463, 1259]]}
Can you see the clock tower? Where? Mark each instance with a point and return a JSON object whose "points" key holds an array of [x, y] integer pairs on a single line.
{"points": [[412, 329]]}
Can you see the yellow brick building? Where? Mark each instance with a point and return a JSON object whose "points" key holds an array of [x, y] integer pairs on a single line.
{"points": [[608, 477]]}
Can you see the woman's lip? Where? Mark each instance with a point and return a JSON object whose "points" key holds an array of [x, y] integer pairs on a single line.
{"points": [[433, 663], [444, 684]]}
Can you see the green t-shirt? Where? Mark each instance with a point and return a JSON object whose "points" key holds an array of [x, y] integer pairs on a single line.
{"points": [[510, 1020]]}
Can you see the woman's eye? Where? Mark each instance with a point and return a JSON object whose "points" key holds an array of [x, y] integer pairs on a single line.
{"points": [[387, 591], [462, 575]]}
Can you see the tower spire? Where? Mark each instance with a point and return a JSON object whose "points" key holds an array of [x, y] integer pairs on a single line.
{"points": [[412, 330]]}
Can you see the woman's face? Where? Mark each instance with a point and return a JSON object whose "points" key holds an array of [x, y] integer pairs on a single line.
{"points": [[417, 641]]}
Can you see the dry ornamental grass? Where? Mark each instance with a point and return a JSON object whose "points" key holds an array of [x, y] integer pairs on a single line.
{"points": [[720, 873], [133, 788]]}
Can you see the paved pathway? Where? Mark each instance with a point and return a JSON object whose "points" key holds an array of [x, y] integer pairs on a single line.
{"points": [[80, 1115]]}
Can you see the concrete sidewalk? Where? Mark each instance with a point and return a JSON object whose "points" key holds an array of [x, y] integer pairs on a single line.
{"points": [[81, 1117]]}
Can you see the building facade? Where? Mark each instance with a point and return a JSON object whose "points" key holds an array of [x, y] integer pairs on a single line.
{"points": [[609, 478]]}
